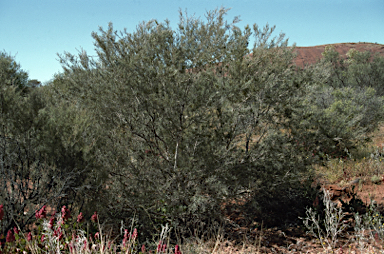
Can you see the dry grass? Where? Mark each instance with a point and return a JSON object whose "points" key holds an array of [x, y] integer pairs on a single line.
{"points": [[366, 162], [339, 170]]}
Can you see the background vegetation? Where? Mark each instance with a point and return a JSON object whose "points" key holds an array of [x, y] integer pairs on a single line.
{"points": [[169, 125]]}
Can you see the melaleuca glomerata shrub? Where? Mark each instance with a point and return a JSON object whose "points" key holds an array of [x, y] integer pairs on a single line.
{"points": [[188, 132]]}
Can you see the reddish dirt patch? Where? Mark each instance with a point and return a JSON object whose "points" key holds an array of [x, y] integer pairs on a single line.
{"points": [[364, 188], [295, 239], [372, 191]]}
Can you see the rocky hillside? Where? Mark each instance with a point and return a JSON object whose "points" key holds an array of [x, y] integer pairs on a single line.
{"points": [[310, 55]]}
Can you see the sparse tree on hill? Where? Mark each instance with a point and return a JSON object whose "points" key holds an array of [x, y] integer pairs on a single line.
{"points": [[344, 102]]}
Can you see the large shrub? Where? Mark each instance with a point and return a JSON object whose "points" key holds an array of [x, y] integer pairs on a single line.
{"points": [[190, 119]]}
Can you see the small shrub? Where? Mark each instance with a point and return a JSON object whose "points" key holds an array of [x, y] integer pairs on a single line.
{"points": [[376, 179], [367, 224], [333, 226]]}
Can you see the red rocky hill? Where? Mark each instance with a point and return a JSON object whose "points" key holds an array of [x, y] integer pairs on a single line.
{"points": [[310, 55]]}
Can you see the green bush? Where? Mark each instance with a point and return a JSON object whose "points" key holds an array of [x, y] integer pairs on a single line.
{"points": [[187, 119], [338, 119], [42, 149], [168, 125]]}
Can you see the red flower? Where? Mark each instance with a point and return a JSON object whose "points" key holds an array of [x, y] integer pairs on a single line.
{"points": [[71, 247], [16, 230], [65, 213], [177, 251], [159, 246], [51, 222], [29, 237], [134, 234], [85, 244], [80, 218], [10, 237], [42, 238], [1, 212], [56, 232], [126, 236], [94, 217], [61, 235], [143, 248], [41, 214]]}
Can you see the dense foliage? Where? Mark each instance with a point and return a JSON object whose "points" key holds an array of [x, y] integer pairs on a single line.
{"points": [[169, 125], [341, 109], [42, 159]]}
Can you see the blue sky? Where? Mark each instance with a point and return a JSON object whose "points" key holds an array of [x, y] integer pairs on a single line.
{"points": [[35, 31]]}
